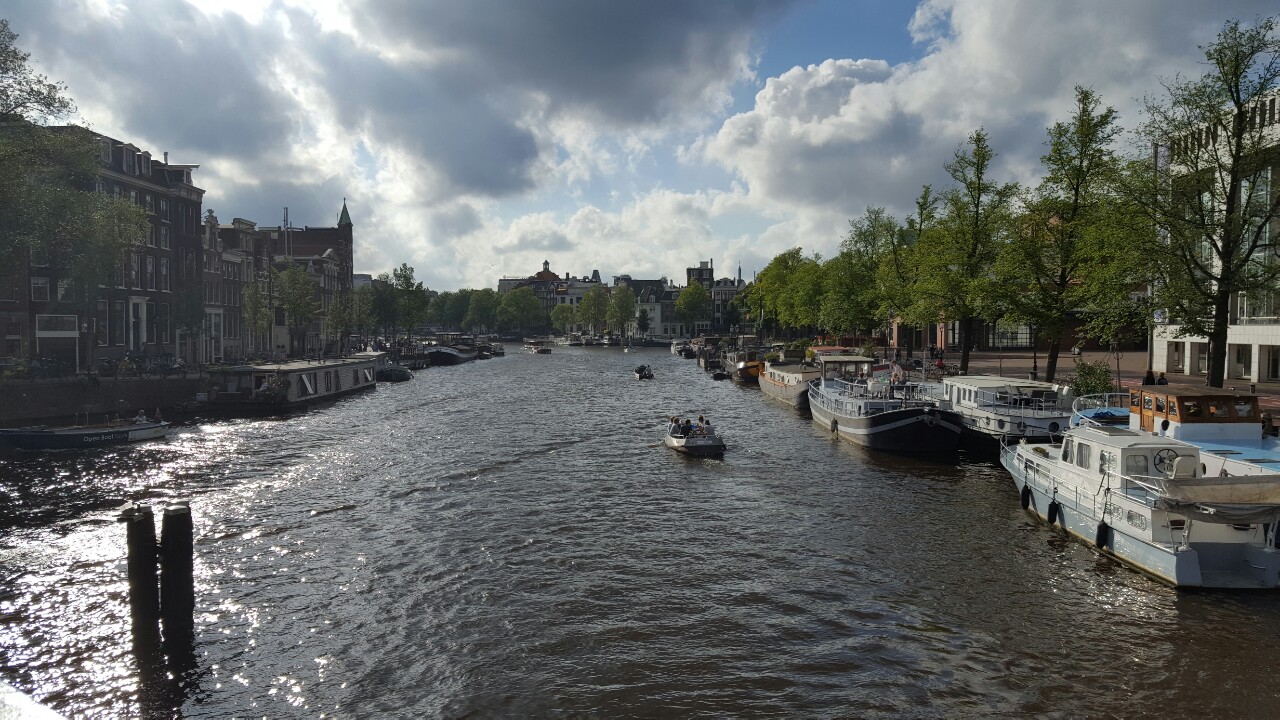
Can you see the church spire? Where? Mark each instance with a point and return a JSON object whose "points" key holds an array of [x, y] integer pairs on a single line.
{"points": [[345, 217]]}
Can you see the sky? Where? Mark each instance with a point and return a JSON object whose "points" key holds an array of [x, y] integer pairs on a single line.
{"points": [[477, 139]]}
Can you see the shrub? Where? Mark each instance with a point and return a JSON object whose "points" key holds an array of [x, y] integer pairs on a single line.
{"points": [[1091, 378]]}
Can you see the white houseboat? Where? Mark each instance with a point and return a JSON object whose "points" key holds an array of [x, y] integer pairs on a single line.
{"points": [[788, 382], [878, 415], [1006, 409], [275, 387], [1145, 499]]}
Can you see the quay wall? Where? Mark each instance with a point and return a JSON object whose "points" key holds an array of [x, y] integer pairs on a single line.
{"points": [[47, 400]]}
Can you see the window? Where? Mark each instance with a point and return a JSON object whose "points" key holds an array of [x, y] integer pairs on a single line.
{"points": [[115, 190], [135, 276], [128, 161], [151, 273], [64, 290], [104, 151], [133, 196], [162, 321], [152, 322], [1082, 455], [117, 322], [1219, 409], [1135, 465], [39, 289], [164, 210], [151, 206], [164, 274], [164, 238], [100, 324], [1244, 408]]}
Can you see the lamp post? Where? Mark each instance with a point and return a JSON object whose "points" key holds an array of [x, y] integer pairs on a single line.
{"points": [[1035, 367]]}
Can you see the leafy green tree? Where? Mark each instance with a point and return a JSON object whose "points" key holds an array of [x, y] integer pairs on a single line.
{"points": [[594, 308], [1214, 202], [622, 309], [642, 321], [411, 298], [1069, 231], [363, 318], [257, 313], [563, 317], [47, 203], [297, 295], [956, 278], [693, 305], [896, 271], [338, 321], [851, 299], [188, 315], [385, 305], [521, 310], [482, 310]]}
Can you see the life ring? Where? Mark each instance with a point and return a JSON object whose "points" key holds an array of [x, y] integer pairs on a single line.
{"points": [[1102, 537], [1053, 512], [1026, 496]]}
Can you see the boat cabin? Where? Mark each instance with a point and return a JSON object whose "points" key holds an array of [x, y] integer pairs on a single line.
{"points": [[992, 391], [1099, 451], [1193, 416]]}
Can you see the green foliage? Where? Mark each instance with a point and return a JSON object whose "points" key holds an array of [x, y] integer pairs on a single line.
{"points": [[188, 310], [1213, 201], [563, 317], [482, 310], [385, 306], [297, 295], [594, 308], [956, 260], [622, 309], [692, 305], [363, 319], [338, 322], [521, 309], [412, 299], [256, 311], [642, 321], [1091, 378]]}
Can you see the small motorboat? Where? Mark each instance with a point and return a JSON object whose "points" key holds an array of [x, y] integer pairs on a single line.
{"points": [[643, 373], [82, 436], [393, 373], [699, 441], [720, 375]]}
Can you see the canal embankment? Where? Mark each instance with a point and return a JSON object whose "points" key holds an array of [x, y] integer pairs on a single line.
{"points": [[51, 400]]}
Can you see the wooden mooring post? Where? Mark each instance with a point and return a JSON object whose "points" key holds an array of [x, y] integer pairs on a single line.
{"points": [[144, 598], [177, 585]]}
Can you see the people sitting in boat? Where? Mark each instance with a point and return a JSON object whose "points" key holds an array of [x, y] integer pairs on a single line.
{"points": [[705, 424], [687, 428], [141, 417], [673, 427]]}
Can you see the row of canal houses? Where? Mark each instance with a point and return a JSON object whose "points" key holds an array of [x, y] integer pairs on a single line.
{"points": [[187, 258]]}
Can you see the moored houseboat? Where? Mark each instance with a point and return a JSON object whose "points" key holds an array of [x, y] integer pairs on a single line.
{"points": [[1007, 409], [875, 414], [276, 387], [788, 382], [452, 349]]}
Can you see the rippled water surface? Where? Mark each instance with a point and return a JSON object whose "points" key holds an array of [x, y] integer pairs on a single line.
{"points": [[510, 538]]}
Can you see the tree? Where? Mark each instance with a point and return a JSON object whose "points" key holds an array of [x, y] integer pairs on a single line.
{"points": [[563, 317], [851, 299], [896, 271], [1070, 231], [411, 298], [482, 310], [297, 295], [642, 321], [622, 309], [47, 203], [257, 313], [1214, 203], [338, 322], [521, 309], [385, 307], [692, 305], [188, 315], [363, 319], [956, 262], [594, 308]]}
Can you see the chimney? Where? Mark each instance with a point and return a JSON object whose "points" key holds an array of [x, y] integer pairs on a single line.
{"points": [[166, 157]]}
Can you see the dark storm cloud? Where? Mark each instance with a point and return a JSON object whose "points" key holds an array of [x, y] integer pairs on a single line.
{"points": [[186, 81], [458, 129], [629, 63]]}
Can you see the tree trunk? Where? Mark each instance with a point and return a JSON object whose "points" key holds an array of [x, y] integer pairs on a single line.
{"points": [[1051, 360], [1218, 341], [966, 343]]}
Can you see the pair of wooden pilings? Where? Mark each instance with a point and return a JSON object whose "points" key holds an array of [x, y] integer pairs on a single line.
{"points": [[169, 598]]}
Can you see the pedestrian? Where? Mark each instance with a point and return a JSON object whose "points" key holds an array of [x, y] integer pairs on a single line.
{"points": [[1161, 380], [1149, 378]]}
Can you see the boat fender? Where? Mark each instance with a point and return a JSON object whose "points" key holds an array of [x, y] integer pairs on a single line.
{"points": [[1053, 512], [1026, 496], [1054, 427], [1000, 424], [1101, 537], [835, 426]]}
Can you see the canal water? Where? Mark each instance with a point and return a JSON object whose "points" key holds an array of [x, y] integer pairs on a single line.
{"points": [[510, 538]]}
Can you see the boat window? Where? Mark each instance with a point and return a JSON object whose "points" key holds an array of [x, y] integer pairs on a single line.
{"points": [[1244, 409], [1146, 403], [1106, 462], [308, 384], [1173, 407], [1135, 401], [1135, 464], [1160, 405], [1219, 409], [1082, 456], [1066, 449], [1193, 408]]}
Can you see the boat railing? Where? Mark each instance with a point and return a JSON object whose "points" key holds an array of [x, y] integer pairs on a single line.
{"points": [[1081, 407]]}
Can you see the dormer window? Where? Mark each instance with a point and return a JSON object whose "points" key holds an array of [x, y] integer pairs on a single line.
{"points": [[128, 160], [104, 151]]}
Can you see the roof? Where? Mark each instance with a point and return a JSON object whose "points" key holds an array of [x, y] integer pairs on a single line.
{"points": [[345, 217], [996, 381], [844, 359]]}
